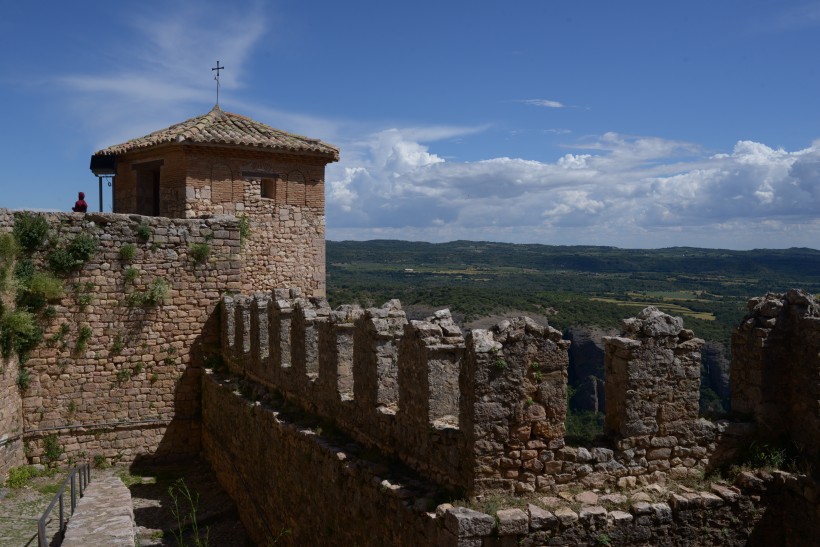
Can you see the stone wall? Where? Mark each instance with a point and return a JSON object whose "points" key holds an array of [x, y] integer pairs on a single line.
{"points": [[652, 393], [482, 412], [298, 482], [281, 197], [11, 418], [776, 368], [286, 244], [117, 375]]}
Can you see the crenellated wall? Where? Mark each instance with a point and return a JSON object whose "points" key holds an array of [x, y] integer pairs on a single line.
{"points": [[481, 412], [328, 402]]}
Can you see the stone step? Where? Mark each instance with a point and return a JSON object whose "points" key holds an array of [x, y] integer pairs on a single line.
{"points": [[104, 516]]}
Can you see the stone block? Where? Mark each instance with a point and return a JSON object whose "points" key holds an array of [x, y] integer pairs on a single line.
{"points": [[512, 522], [465, 523]]}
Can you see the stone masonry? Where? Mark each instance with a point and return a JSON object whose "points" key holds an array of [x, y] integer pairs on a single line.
{"points": [[778, 343], [133, 390], [482, 412], [652, 393], [11, 418]]}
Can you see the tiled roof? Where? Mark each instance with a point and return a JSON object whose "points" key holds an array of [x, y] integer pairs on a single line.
{"points": [[218, 127]]}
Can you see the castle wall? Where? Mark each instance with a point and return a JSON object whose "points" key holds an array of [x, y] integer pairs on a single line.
{"points": [[477, 413], [131, 390], [281, 197], [286, 242], [652, 393], [11, 418], [776, 368], [297, 481]]}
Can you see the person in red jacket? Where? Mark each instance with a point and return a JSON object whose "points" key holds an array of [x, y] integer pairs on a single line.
{"points": [[80, 206]]}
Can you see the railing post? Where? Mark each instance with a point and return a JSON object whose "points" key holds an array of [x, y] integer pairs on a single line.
{"points": [[41, 534], [62, 512], [73, 492]]}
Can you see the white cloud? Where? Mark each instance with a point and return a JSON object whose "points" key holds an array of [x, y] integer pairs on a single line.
{"points": [[543, 102], [166, 74], [622, 190]]}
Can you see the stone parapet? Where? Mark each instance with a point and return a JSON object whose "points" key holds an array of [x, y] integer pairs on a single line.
{"points": [[481, 412], [298, 484]]}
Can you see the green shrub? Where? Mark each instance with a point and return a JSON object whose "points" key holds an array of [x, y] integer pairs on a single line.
{"points": [[143, 232], [117, 344], [38, 290], [154, 295], [19, 476], [19, 333], [157, 293], [24, 270], [130, 275], [52, 448], [23, 378], [200, 252], [83, 247], [123, 375], [101, 462], [82, 293], [30, 230], [244, 229], [83, 336], [127, 252], [583, 427], [72, 257], [9, 248]]}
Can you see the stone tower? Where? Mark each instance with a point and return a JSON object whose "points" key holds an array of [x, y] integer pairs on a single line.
{"points": [[224, 163]]}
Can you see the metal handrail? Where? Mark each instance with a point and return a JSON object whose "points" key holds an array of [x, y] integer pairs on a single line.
{"points": [[84, 470]]}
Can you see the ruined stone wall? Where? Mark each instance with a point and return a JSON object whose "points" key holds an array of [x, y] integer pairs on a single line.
{"points": [[776, 368], [652, 393], [481, 412], [11, 418], [350, 367], [298, 482], [117, 375]]}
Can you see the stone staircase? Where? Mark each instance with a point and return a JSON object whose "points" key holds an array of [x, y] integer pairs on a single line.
{"points": [[104, 516]]}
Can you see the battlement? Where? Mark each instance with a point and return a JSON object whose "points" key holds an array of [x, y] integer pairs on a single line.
{"points": [[480, 411]]}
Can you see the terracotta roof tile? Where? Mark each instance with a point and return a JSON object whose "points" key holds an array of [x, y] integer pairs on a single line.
{"points": [[219, 127]]}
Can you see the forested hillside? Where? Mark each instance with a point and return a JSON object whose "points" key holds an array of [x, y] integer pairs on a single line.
{"points": [[571, 285]]}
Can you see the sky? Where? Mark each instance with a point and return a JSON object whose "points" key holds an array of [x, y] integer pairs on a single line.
{"points": [[636, 124]]}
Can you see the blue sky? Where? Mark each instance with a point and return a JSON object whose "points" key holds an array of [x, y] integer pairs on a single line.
{"points": [[634, 124]]}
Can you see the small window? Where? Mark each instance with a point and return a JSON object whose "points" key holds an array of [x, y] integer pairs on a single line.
{"points": [[269, 188]]}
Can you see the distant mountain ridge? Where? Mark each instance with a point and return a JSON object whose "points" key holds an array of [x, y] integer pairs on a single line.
{"points": [[800, 261]]}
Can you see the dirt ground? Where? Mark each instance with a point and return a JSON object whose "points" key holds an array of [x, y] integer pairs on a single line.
{"points": [[155, 513]]}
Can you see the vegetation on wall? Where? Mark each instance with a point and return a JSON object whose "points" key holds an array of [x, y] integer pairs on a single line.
{"points": [[64, 259], [244, 229], [30, 230], [155, 294], [200, 252], [127, 252], [143, 232]]}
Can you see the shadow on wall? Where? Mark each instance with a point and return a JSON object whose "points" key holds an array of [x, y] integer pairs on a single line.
{"points": [[181, 439]]}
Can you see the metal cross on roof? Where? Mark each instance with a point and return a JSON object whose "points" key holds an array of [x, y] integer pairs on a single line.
{"points": [[217, 68]]}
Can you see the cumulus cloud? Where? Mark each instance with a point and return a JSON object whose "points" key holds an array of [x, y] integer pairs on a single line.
{"points": [[618, 190]]}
